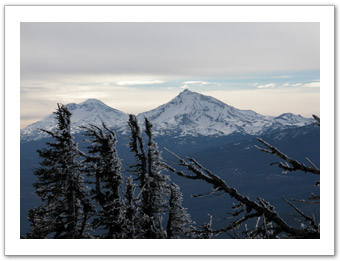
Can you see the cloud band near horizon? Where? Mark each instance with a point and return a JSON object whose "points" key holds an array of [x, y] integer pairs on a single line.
{"points": [[136, 66]]}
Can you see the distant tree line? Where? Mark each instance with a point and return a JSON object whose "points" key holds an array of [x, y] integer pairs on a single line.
{"points": [[88, 195]]}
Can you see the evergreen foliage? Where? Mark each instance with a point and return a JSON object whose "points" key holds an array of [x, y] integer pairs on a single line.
{"points": [[103, 167], [179, 221], [63, 213], [131, 226], [152, 183]]}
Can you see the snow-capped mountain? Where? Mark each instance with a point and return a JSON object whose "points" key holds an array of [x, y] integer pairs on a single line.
{"points": [[287, 119], [191, 113], [91, 111]]}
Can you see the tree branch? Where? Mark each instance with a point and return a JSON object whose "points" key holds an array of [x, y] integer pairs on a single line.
{"points": [[307, 218], [263, 207], [295, 164]]}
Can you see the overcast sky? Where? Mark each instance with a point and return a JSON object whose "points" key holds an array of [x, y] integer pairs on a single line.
{"points": [[271, 68]]}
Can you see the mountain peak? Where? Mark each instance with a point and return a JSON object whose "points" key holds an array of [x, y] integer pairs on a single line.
{"points": [[189, 113], [92, 101], [197, 101], [91, 111], [289, 114], [186, 91], [295, 119], [192, 113]]}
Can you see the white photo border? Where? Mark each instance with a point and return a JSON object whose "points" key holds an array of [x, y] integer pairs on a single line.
{"points": [[14, 15]]}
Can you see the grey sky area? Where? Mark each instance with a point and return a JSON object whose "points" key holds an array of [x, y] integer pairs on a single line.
{"points": [[67, 62], [200, 49]]}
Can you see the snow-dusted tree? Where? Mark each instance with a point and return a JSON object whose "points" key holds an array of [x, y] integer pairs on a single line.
{"points": [[179, 221], [137, 147], [206, 231], [131, 226], [159, 187], [152, 183], [64, 209], [103, 168], [40, 225]]}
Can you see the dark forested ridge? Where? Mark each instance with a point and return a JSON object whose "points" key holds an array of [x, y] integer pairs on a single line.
{"points": [[142, 199]]}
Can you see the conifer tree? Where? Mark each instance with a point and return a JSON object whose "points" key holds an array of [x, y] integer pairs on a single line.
{"points": [[152, 183], [104, 170], [64, 209], [179, 221], [159, 187], [131, 225]]}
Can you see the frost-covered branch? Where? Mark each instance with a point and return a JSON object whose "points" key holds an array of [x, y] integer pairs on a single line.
{"points": [[212, 192], [294, 165], [306, 217], [311, 163], [312, 200], [317, 120], [262, 208]]}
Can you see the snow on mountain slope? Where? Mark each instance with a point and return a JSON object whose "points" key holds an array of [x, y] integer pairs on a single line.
{"points": [[191, 113], [292, 119], [91, 111]]}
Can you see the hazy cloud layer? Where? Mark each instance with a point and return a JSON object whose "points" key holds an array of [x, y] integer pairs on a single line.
{"points": [[192, 49], [288, 85], [272, 101], [139, 82]]}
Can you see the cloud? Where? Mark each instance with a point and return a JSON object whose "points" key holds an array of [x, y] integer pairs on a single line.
{"points": [[196, 82], [312, 85], [185, 49], [189, 84], [289, 85], [282, 77], [267, 86], [139, 82]]}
